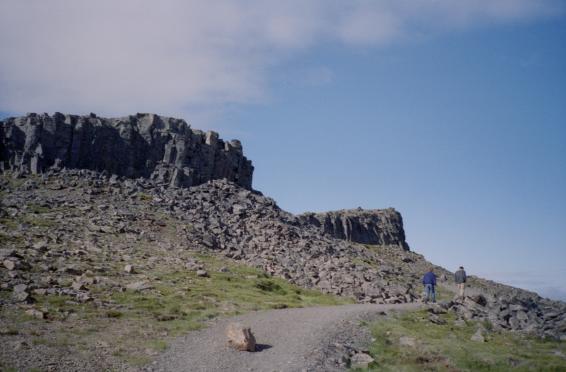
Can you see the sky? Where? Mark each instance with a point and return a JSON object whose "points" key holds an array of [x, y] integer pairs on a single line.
{"points": [[454, 113]]}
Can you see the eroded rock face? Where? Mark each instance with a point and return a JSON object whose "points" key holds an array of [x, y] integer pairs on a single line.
{"points": [[373, 226], [143, 145]]}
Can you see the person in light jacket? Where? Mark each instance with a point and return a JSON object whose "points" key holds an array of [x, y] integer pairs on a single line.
{"points": [[429, 281], [460, 279]]}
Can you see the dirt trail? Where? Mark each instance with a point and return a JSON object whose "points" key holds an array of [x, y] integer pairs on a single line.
{"points": [[288, 339]]}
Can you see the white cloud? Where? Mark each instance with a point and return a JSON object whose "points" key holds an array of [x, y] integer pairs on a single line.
{"points": [[119, 57]]}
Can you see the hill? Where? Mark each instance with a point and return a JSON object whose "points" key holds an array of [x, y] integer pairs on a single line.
{"points": [[108, 262]]}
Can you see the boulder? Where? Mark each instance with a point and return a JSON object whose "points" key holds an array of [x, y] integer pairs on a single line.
{"points": [[361, 360], [139, 286], [478, 336], [129, 269], [35, 313], [240, 338], [407, 341], [202, 273]]}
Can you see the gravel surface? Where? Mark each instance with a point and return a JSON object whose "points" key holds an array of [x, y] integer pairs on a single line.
{"points": [[288, 340]]}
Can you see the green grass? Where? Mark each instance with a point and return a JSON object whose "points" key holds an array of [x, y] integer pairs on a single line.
{"points": [[183, 297], [180, 301], [9, 223], [14, 183], [449, 348], [37, 209], [157, 345]]}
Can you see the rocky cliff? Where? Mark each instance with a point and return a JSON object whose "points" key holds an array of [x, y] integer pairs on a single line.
{"points": [[143, 145], [375, 226]]}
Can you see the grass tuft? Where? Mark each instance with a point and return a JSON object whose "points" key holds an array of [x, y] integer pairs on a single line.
{"points": [[448, 347]]}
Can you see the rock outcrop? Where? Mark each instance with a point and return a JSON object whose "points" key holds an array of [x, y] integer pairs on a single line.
{"points": [[374, 226], [143, 145]]}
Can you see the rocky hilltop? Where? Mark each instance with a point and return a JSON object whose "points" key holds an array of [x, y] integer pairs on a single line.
{"points": [[75, 239], [375, 226], [141, 145]]}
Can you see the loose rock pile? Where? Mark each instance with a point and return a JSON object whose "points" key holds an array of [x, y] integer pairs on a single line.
{"points": [[247, 226], [512, 309], [71, 255]]}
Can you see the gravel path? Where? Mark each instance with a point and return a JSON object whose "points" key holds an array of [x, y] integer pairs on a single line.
{"points": [[289, 340]]}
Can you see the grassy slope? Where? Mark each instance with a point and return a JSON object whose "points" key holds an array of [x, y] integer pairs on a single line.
{"points": [[448, 347], [132, 326], [142, 322]]}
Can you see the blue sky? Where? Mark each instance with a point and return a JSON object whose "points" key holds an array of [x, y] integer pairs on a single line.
{"points": [[464, 134], [453, 113]]}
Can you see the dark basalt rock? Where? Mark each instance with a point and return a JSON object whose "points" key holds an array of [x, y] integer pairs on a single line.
{"points": [[143, 145], [373, 226]]}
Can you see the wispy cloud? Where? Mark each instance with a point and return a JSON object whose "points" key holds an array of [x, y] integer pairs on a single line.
{"points": [[118, 57]]}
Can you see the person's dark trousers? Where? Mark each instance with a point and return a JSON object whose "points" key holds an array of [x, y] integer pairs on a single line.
{"points": [[430, 295]]}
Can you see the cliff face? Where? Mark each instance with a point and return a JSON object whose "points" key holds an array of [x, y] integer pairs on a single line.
{"points": [[143, 145], [375, 226]]}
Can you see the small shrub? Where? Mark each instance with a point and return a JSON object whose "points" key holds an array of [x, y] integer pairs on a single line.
{"points": [[269, 286], [114, 314]]}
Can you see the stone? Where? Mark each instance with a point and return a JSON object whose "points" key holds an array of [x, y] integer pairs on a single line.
{"points": [[19, 288], [139, 286], [202, 273], [459, 323], [129, 269], [240, 338], [407, 341], [433, 318], [40, 245], [6, 252], [9, 264], [478, 336], [35, 313], [361, 360], [21, 297], [522, 316], [479, 299], [78, 286], [19, 345], [83, 297]]}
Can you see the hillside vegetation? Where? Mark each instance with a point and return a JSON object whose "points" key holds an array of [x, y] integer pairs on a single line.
{"points": [[433, 339]]}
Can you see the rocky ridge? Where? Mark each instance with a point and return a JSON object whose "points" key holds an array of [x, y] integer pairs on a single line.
{"points": [[141, 145]]}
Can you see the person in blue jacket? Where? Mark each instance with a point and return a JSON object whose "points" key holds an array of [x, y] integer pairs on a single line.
{"points": [[429, 281]]}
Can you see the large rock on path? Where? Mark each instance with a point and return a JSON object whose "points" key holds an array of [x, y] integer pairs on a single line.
{"points": [[240, 338]]}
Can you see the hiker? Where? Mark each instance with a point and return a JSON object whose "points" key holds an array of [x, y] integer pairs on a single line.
{"points": [[460, 279], [429, 281]]}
